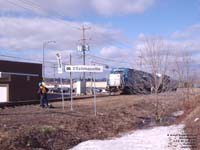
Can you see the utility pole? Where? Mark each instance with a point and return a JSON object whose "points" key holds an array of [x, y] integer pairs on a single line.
{"points": [[43, 55], [84, 47]]}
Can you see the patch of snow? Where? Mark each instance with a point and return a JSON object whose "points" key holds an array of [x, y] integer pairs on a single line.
{"points": [[159, 74], [178, 113], [196, 119], [157, 138]]}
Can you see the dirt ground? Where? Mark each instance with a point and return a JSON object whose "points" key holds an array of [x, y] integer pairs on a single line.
{"points": [[192, 122], [31, 127]]}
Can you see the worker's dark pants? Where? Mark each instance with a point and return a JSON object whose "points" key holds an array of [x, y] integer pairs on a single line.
{"points": [[43, 100]]}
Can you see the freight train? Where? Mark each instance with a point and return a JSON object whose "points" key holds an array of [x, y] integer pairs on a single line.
{"points": [[131, 81]]}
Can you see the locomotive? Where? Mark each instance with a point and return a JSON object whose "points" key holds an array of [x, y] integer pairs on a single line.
{"points": [[131, 81]]}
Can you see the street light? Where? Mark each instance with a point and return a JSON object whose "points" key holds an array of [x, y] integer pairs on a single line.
{"points": [[60, 72], [43, 64]]}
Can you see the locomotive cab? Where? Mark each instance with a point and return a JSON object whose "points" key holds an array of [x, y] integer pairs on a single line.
{"points": [[115, 81]]}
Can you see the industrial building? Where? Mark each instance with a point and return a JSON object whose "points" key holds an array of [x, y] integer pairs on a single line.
{"points": [[19, 80]]}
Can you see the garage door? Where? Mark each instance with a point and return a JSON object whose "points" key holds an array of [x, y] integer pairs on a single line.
{"points": [[4, 93]]}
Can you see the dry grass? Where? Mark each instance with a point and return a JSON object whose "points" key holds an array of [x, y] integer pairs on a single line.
{"points": [[28, 127]]}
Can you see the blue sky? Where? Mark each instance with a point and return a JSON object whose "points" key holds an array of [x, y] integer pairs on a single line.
{"points": [[116, 27], [163, 18]]}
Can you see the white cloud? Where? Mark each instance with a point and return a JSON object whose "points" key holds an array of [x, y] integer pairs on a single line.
{"points": [[9, 6], [175, 46], [141, 36], [182, 40], [71, 8], [184, 45], [191, 32], [118, 57], [114, 52], [30, 33], [188, 43], [121, 7], [187, 39]]}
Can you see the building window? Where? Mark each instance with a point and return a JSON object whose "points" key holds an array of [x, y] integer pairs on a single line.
{"points": [[28, 78], [5, 78]]}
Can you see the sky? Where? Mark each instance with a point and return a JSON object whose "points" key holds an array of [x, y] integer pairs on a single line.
{"points": [[115, 28]]}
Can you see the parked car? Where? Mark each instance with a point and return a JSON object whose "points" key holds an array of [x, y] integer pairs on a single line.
{"points": [[90, 90], [59, 90]]}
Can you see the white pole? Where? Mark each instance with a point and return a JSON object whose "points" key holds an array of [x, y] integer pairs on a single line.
{"points": [[71, 85], [71, 88], [61, 83], [63, 103], [94, 91]]}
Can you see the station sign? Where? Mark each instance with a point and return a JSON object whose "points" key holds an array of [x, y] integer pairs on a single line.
{"points": [[83, 68]]}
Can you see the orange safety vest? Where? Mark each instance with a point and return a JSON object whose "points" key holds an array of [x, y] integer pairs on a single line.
{"points": [[43, 89]]}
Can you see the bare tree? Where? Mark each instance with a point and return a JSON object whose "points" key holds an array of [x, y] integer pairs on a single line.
{"points": [[185, 73], [154, 57]]}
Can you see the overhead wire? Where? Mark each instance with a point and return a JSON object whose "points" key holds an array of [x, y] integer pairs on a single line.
{"points": [[31, 3], [28, 59], [33, 6], [32, 60], [108, 59], [18, 5]]}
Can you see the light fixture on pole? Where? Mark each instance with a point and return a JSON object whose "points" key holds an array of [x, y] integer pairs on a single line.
{"points": [[60, 72], [43, 55]]}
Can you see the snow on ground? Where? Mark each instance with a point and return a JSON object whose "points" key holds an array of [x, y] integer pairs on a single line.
{"points": [[157, 138]]}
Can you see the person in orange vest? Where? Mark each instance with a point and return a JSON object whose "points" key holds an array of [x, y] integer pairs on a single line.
{"points": [[43, 90]]}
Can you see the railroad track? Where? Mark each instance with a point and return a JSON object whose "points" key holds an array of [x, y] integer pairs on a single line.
{"points": [[37, 101]]}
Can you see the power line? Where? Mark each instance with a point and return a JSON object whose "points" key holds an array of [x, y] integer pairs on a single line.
{"points": [[31, 3], [35, 7], [35, 60], [18, 5], [108, 59], [111, 62], [20, 58]]}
